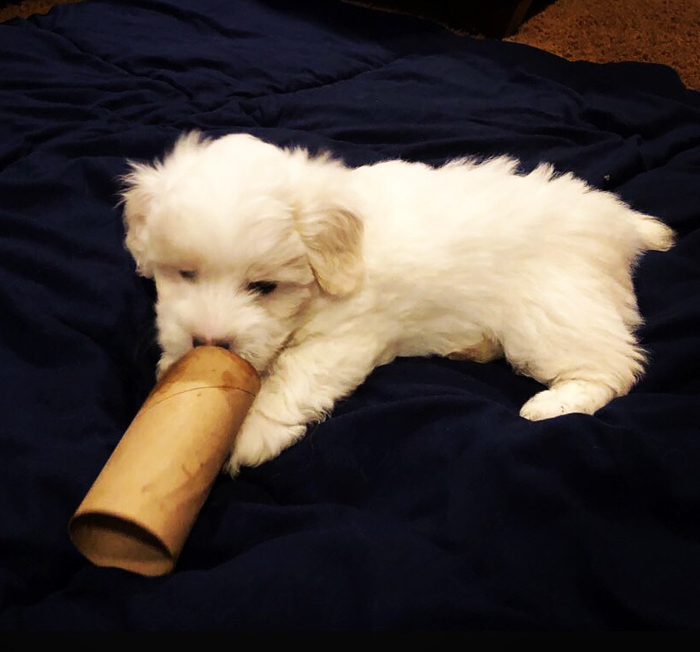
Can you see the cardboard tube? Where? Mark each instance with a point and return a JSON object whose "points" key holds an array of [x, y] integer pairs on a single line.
{"points": [[141, 508]]}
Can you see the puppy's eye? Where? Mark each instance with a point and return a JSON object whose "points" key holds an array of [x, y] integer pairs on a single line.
{"points": [[187, 274], [262, 287]]}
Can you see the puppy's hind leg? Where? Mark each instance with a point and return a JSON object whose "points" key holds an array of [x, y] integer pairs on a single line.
{"points": [[567, 396], [584, 365]]}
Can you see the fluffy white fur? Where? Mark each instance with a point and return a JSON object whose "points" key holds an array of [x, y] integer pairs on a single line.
{"points": [[471, 259]]}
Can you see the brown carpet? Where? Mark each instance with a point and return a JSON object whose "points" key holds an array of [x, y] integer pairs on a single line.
{"points": [[29, 7], [661, 31]]}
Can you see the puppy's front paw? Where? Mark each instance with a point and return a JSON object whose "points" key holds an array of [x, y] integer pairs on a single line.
{"points": [[261, 439]]}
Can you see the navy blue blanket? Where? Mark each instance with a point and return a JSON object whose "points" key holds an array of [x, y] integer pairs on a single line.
{"points": [[425, 502]]}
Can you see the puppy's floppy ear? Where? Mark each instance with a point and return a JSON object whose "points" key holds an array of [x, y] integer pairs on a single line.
{"points": [[333, 240], [137, 198], [330, 227]]}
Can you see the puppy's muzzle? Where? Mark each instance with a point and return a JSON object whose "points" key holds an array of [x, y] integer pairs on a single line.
{"points": [[224, 343]]}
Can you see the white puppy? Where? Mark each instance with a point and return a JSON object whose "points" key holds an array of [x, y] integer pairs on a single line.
{"points": [[317, 273]]}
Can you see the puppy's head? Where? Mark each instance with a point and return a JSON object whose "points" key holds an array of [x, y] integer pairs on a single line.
{"points": [[240, 237]]}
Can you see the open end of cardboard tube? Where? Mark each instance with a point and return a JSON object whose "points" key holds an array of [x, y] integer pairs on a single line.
{"points": [[109, 540], [140, 509]]}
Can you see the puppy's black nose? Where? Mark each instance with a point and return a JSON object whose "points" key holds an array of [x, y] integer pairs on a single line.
{"points": [[223, 343]]}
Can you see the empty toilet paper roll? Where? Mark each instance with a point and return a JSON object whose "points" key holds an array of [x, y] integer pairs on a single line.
{"points": [[141, 508]]}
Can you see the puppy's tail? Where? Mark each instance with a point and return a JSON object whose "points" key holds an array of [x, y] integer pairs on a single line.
{"points": [[654, 234]]}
